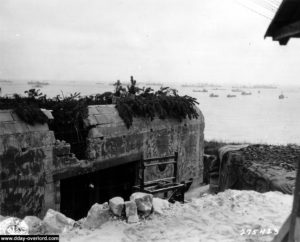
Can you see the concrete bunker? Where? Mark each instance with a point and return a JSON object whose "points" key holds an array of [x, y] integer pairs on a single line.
{"points": [[50, 176]]}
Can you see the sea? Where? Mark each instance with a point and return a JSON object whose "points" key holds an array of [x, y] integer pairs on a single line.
{"points": [[257, 118]]}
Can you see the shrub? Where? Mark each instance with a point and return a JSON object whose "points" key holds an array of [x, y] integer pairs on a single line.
{"points": [[69, 112]]}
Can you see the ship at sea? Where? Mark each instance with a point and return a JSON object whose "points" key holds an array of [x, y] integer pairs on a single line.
{"points": [[246, 93], [203, 90], [37, 83], [236, 90], [213, 95], [229, 95], [6, 81]]}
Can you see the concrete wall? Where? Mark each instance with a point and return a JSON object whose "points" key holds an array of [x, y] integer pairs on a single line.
{"points": [[25, 152], [109, 138], [32, 162]]}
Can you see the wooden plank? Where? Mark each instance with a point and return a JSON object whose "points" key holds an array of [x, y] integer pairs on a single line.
{"points": [[165, 189], [160, 163], [160, 158], [296, 207], [158, 180]]}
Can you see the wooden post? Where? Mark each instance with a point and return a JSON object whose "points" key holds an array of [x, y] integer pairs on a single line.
{"points": [[175, 167], [290, 231], [142, 169]]}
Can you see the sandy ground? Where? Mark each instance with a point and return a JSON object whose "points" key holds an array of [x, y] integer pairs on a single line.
{"points": [[228, 216]]}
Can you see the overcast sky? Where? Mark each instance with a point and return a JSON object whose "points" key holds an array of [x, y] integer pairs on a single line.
{"points": [[154, 40]]}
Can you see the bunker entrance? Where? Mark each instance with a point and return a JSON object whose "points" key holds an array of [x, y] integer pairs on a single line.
{"points": [[79, 193]]}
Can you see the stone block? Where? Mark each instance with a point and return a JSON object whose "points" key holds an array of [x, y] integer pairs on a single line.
{"points": [[5, 116], [92, 109], [143, 202], [131, 212], [116, 205], [14, 127]]}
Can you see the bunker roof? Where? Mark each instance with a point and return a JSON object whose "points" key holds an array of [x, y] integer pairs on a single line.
{"points": [[10, 123], [107, 119]]}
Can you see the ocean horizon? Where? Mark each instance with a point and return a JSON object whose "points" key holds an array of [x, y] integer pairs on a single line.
{"points": [[257, 118]]}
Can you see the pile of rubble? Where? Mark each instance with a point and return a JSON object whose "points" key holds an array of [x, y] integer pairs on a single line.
{"points": [[140, 205]]}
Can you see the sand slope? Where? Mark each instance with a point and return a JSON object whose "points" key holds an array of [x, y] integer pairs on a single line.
{"points": [[222, 217]]}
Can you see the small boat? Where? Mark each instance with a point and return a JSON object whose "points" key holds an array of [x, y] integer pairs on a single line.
{"points": [[246, 93], [281, 96], [37, 83], [203, 90], [5, 81], [229, 95], [213, 95]]}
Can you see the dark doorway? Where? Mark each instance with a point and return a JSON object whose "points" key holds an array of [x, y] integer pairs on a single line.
{"points": [[79, 193]]}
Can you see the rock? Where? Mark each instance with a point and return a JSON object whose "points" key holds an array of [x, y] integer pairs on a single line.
{"points": [[159, 205], [56, 222], [143, 202], [35, 225], [116, 205], [131, 212], [97, 215]]}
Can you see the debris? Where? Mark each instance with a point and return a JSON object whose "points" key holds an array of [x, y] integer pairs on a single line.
{"points": [[56, 222]]}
